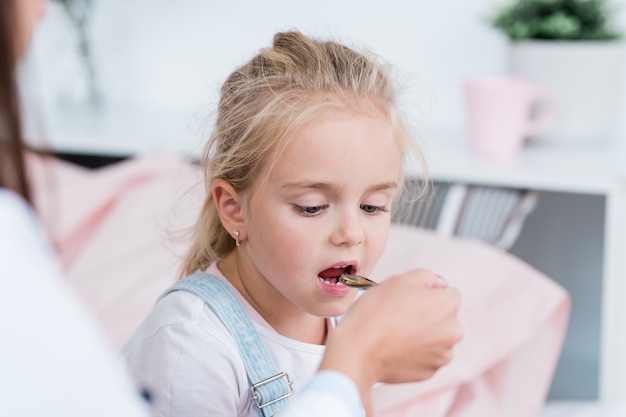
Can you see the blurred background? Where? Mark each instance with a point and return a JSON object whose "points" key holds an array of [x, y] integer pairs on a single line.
{"points": [[144, 76], [160, 57]]}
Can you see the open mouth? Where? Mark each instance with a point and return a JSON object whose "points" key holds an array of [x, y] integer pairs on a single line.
{"points": [[331, 275]]}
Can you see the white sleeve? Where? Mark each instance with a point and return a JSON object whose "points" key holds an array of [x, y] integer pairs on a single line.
{"points": [[54, 360], [328, 394]]}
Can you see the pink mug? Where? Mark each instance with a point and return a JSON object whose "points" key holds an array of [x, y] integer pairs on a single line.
{"points": [[499, 110]]}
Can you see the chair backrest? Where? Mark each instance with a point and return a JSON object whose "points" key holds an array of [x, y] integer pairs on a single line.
{"points": [[491, 214]]}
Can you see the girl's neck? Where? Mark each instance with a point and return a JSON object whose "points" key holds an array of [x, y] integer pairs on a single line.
{"points": [[284, 317]]}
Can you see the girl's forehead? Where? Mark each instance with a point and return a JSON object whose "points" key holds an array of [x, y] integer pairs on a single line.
{"points": [[340, 145], [349, 150], [336, 112], [348, 129], [340, 125]]}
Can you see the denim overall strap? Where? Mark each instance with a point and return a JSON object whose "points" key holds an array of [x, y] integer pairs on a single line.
{"points": [[269, 387]]}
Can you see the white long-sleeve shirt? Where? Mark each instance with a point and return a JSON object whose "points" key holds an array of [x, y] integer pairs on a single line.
{"points": [[329, 394], [54, 360]]}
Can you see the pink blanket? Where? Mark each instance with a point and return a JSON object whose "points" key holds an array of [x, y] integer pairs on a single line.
{"points": [[514, 320], [114, 229]]}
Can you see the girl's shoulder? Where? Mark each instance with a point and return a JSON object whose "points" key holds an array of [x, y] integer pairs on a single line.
{"points": [[187, 358], [185, 311]]}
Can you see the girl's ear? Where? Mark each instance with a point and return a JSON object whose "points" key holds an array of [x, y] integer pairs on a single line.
{"points": [[228, 204]]}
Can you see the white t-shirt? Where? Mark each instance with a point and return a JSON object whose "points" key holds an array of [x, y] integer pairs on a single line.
{"points": [[189, 362], [54, 361]]}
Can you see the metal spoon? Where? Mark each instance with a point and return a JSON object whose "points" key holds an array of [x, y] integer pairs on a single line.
{"points": [[362, 283], [356, 281]]}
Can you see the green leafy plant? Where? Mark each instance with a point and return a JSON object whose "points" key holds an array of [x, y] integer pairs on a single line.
{"points": [[555, 20]]}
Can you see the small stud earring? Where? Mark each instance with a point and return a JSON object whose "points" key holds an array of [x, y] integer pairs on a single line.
{"points": [[236, 233]]}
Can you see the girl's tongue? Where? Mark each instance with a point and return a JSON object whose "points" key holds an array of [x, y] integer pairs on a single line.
{"points": [[329, 282], [331, 273]]}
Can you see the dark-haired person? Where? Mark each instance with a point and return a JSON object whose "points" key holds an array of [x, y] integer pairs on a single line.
{"points": [[54, 360]]}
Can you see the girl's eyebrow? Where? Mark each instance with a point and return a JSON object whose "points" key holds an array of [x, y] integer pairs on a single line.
{"points": [[328, 186]]}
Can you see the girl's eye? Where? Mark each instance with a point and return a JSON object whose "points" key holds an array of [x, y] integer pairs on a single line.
{"points": [[310, 210], [370, 209]]}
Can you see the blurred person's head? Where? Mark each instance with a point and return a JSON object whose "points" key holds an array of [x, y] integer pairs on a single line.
{"points": [[17, 22]]}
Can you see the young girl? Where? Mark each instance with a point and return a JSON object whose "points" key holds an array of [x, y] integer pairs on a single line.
{"points": [[301, 172]]}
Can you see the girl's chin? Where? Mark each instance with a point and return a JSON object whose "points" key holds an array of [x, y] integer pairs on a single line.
{"points": [[337, 308]]}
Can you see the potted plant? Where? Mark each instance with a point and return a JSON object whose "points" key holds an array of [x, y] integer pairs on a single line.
{"points": [[571, 47]]}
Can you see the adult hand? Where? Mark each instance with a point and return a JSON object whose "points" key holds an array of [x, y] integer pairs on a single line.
{"points": [[402, 330]]}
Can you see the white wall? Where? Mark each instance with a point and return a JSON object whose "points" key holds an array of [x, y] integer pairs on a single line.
{"points": [[174, 54]]}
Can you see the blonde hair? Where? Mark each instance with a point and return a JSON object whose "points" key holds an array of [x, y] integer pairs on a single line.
{"points": [[265, 101]]}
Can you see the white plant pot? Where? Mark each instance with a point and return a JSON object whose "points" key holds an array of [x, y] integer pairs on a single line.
{"points": [[587, 76]]}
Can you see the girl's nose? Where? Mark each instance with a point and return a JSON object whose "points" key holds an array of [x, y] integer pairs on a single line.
{"points": [[348, 231]]}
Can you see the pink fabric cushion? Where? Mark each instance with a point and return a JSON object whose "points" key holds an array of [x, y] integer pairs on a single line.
{"points": [[116, 228], [514, 319]]}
